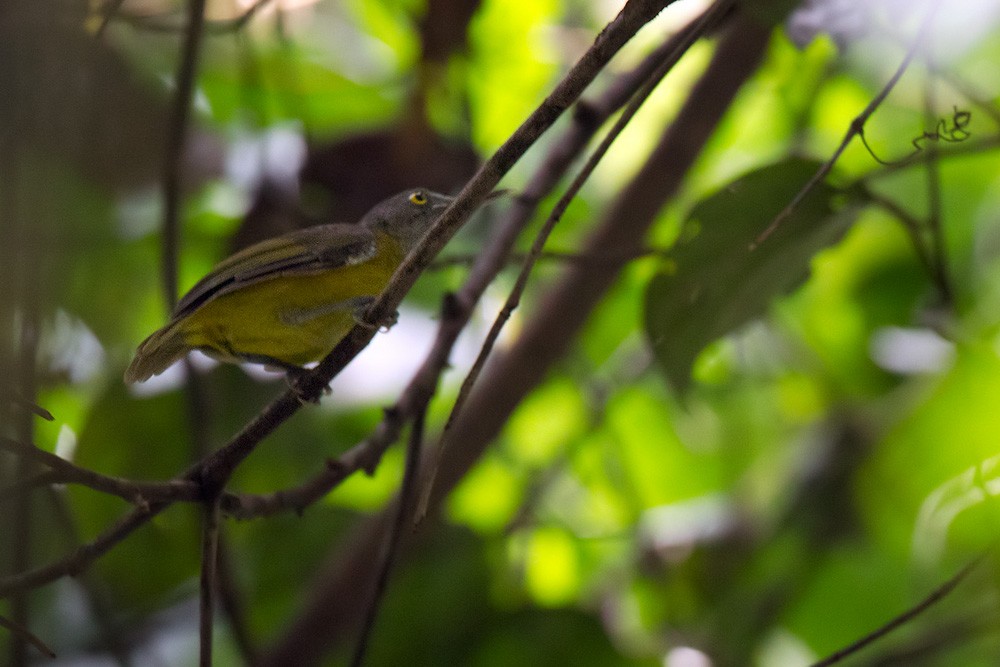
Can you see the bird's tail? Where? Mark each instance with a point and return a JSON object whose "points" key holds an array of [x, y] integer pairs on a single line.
{"points": [[157, 353]]}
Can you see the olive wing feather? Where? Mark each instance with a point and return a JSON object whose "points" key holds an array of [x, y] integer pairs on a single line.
{"points": [[311, 250]]}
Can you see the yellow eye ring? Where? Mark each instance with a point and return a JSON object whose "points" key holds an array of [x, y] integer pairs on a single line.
{"points": [[418, 198]]}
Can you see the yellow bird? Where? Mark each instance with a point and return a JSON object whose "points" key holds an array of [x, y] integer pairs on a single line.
{"points": [[289, 300]]}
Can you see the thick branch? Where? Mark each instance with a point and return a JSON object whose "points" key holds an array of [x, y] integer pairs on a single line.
{"points": [[213, 472], [588, 117], [560, 316]]}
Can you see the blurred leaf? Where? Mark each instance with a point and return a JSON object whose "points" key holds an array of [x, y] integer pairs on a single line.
{"points": [[439, 612], [945, 428], [286, 83], [552, 568], [488, 497], [714, 282], [656, 467], [139, 439], [852, 578]]}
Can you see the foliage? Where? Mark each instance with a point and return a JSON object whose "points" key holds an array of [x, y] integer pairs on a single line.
{"points": [[755, 451]]}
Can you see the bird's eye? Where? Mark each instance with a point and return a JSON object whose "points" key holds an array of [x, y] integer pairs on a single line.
{"points": [[418, 198]]}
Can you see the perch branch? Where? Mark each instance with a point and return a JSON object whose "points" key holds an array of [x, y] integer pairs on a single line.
{"points": [[518, 370], [214, 471], [588, 117]]}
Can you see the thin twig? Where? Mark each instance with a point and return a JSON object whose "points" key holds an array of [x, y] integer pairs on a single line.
{"points": [[612, 257], [704, 22], [212, 472], [207, 588], [31, 406], [856, 128], [25, 634], [911, 224], [176, 133], [404, 508], [939, 253], [954, 81], [538, 245], [936, 596], [165, 24], [64, 472], [82, 557], [363, 456]]}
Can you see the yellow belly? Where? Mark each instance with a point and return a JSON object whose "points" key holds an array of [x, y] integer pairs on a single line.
{"points": [[293, 319]]}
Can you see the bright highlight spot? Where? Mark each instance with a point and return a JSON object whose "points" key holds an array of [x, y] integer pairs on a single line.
{"points": [[552, 569], [685, 656], [911, 351]]}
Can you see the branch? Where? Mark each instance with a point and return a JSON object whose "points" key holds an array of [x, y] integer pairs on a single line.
{"points": [[64, 472], [938, 244], [24, 403], [404, 508], [936, 596], [588, 117], [686, 39], [171, 188], [26, 635], [214, 471], [856, 128], [207, 582], [515, 372], [81, 558]]}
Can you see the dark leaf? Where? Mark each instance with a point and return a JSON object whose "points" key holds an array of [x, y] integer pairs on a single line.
{"points": [[714, 282]]}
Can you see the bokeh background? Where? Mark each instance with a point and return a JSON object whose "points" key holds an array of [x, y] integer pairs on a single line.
{"points": [[743, 458]]}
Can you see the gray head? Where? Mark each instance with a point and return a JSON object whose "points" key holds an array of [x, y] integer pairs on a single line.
{"points": [[407, 215]]}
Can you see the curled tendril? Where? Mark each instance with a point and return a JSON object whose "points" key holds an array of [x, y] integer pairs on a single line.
{"points": [[953, 133], [942, 132]]}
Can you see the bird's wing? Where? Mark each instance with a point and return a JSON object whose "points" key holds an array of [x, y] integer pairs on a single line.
{"points": [[305, 251]]}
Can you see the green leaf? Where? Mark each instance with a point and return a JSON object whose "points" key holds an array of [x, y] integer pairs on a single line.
{"points": [[714, 282], [144, 439]]}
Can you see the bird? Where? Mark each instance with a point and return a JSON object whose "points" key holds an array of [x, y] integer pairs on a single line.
{"points": [[287, 301]]}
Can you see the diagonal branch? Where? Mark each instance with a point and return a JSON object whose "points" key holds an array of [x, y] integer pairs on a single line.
{"points": [[685, 39], [935, 596], [214, 471], [587, 118], [23, 633], [857, 126], [218, 468], [515, 372], [404, 508]]}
